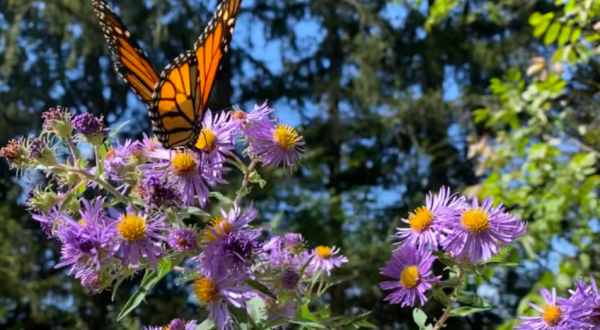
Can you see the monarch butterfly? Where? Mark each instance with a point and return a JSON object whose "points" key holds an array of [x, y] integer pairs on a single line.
{"points": [[176, 100]]}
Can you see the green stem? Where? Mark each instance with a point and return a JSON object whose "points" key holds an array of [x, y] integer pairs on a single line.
{"points": [[73, 152], [246, 178], [102, 183], [442, 320]]}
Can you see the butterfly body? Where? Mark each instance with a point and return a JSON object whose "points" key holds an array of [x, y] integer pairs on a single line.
{"points": [[177, 99]]}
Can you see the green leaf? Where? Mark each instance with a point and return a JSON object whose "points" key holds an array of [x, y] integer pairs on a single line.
{"points": [[164, 266], [206, 325], [306, 314], [420, 319], [473, 299], [256, 285], [276, 323], [221, 197], [189, 211], [552, 33], [575, 35], [241, 317], [307, 323], [464, 311], [535, 19], [540, 29], [114, 132], [257, 311], [565, 33], [255, 178]]}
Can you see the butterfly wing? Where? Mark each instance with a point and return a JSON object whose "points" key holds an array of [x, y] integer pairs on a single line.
{"points": [[210, 47], [182, 94], [131, 62], [173, 113]]}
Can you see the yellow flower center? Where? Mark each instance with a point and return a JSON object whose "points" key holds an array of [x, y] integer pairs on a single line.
{"points": [[205, 290], [207, 141], [286, 136], [324, 252], [82, 222], [132, 227], [110, 154], [218, 228], [475, 220], [420, 220], [184, 163], [410, 277], [552, 315]]}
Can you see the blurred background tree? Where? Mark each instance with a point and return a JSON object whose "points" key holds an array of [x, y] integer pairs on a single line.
{"points": [[394, 98]]}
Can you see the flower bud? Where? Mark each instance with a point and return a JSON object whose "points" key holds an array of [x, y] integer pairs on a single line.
{"points": [[58, 121], [91, 128], [16, 153], [42, 200], [41, 154]]}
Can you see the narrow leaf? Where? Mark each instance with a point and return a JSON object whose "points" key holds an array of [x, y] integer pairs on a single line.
{"points": [[256, 285], [164, 266], [464, 311]]}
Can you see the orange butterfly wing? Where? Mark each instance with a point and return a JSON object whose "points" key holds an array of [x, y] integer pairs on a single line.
{"points": [[181, 96], [132, 64], [173, 113], [212, 44]]}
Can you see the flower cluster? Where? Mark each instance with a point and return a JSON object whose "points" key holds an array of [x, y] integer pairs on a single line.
{"points": [[581, 311], [146, 193], [470, 233]]}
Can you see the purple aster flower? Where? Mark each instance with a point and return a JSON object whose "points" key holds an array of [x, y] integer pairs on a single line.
{"points": [[117, 162], [230, 244], [91, 280], [183, 240], [51, 220], [241, 120], [275, 143], [176, 324], [216, 137], [555, 316], [149, 145], [424, 223], [477, 231], [584, 305], [289, 279], [88, 242], [285, 251], [190, 171], [158, 191], [87, 124], [216, 291], [325, 259], [412, 269], [140, 236], [58, 121]]}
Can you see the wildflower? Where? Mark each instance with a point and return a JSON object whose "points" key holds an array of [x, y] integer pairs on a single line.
{"points": [[189, 171], [555, 316], [91, 128], [584, 305], [49, 220], [158, 191], [275, 143], [58, 121], [215, 292], [42, 200], [40, 153], [92, 280], [117, 163], [324, 258], [87, 242], [183, 240], [424, 223], [176, 324], [284, 251], [140, 236], [477, 231], [149, 145], [412, 268], [289, 279], [16, 154], [215, 139], [241, 120], [230, 244]]}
